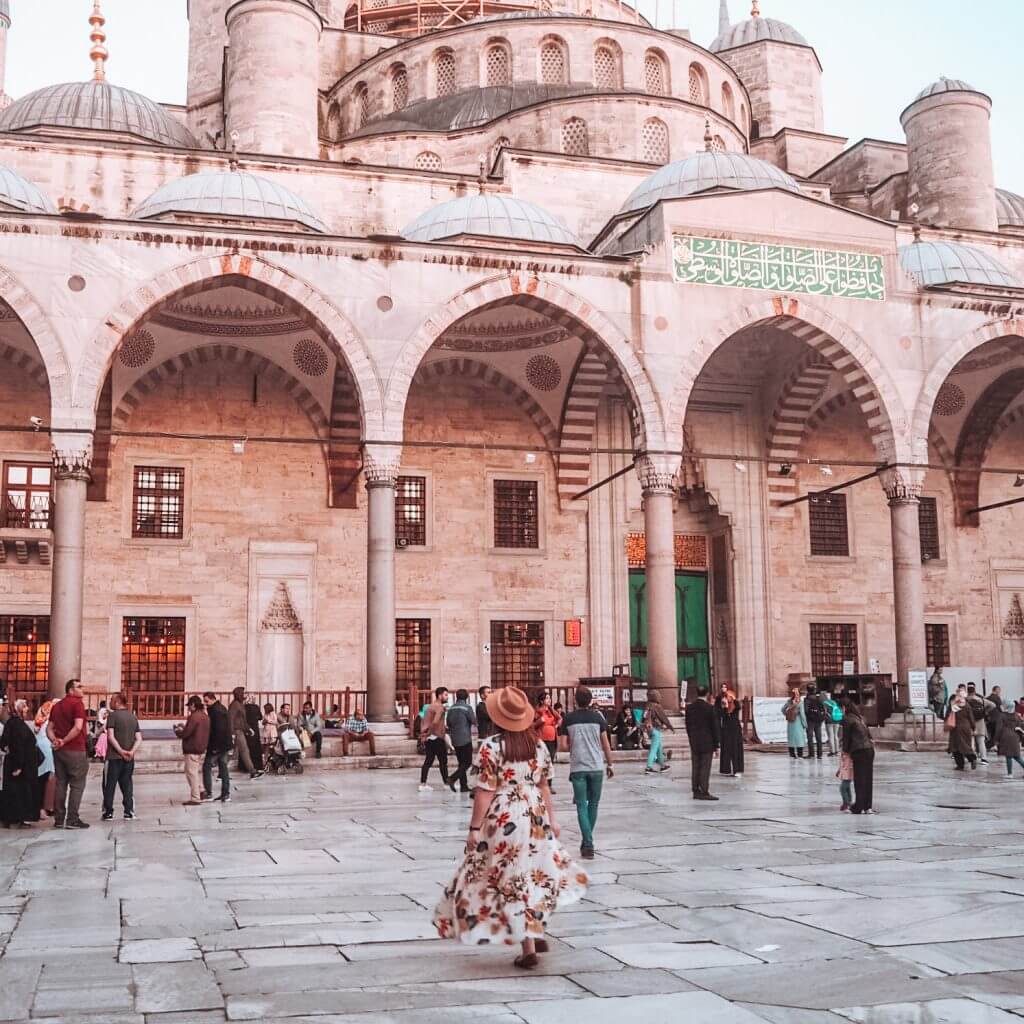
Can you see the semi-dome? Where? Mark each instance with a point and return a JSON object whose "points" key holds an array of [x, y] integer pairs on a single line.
{"points": [[931, 263], [17, 193], [494, 216], [1009, 209], [229, 194], [96, 106], [756, 30], [704, 171]]}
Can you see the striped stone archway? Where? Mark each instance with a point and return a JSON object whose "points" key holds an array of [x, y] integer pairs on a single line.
{"points": [[25, 362]]}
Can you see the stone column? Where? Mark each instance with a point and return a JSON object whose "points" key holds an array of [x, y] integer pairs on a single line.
{"points": [[380, 467], [903, 489], [657, 479], [72, 459]]}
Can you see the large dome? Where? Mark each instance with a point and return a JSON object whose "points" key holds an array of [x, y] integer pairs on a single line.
{"points": [[97, 106], [1009, 209], [756, 30], [494, 216], [17, 193], [931, 263], [229, 194], [704, 171]]}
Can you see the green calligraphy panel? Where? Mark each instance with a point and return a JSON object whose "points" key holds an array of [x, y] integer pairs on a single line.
{"points": [[731, 263]]}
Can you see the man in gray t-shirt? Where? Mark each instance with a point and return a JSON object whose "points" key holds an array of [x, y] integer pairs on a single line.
{"points": [[124, 737], [590, 757]]}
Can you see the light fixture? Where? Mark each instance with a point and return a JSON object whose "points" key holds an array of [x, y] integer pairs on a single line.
{"points": [[36, 421], [827, 471], [785, 469], [238, 447], [740, 468], [1019, 482], [531, 458]]}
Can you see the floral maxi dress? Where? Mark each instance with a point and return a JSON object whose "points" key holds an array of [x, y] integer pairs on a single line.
{"points": [[508, 887]]}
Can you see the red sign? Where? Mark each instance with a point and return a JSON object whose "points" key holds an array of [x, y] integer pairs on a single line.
{"points": [[573, 633]]}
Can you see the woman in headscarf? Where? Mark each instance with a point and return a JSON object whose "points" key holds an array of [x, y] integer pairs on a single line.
{"points": [[730, 754], [796, 724], [21, 767], [858, 744], [46, 781], [960, 723]]}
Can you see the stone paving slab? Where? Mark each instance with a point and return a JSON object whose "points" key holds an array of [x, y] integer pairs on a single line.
{"points": [[308, 901]]}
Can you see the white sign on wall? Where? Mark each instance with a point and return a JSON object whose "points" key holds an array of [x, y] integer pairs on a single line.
{"points": [[917, 684], [603, 694], [769, 721]]}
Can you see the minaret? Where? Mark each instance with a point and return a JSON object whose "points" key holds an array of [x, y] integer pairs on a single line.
{"points": [[5, 24], [724, 22]]}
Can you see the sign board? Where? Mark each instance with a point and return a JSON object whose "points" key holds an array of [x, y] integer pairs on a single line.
{"points": [[573, 633], [917, 683], [873, 666], [769, 721], [847, 668], [603, 694]]}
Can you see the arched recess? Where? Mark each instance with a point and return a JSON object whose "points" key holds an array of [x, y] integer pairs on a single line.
{"points": [[25, 362], [1011, 417], [570, 311], [837, 345]]}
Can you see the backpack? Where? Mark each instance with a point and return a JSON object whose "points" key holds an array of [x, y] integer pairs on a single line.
{"points": [[834, 711], [791, 711], [814, 709]]}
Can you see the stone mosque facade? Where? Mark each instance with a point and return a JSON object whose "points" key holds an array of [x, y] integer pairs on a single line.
{"points": [[499, 341]]}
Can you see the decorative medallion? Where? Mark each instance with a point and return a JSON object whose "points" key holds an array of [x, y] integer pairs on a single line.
{"points": [[950, 400], [137, 349], [543, 373], [1013, 627], [310, 358], [280, 616]]}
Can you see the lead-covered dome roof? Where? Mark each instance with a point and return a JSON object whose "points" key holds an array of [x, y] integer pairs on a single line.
{"points": [[492, 216], [96, 106], [1009, 209], [18, 193], [932, 263], [756, 30], [229, 194], [704, 171], [944, 84]]}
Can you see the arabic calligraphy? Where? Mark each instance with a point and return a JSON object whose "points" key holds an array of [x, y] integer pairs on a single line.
{"points": [[730, 263]]}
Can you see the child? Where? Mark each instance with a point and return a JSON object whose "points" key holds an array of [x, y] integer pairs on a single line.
{"points": [[269, 737], [845, 777]]}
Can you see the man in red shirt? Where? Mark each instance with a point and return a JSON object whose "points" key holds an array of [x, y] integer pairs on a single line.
{"points": [[66, 731]]}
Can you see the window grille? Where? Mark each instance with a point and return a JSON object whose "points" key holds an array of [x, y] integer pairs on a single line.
{"points": [[399, 89], [153, 655], [654, 141], [574, 137], [936, 642], [411, 510], [412, 654], [497, 69], [334, 122], [552, 65], [697, 92], [444, 71], [654, 75], [728, 104], [427, 161], [25, 655], [829, 532], [718, 144], [516, 517], [158, 502], [28, 495], [517, 654], [606, 71], [928, 525], [832, 643]]}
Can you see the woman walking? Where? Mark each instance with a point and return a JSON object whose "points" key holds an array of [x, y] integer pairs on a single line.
{"points": [[796, 724], [1008, 726], [730, 754], [21, 769], [960, 723], [515, 872], [547, 723], [858, 744]]}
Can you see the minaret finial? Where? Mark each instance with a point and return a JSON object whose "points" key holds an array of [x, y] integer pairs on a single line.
{"points": [[755, 9], [98, 54], [724, 21], [708, 137]]}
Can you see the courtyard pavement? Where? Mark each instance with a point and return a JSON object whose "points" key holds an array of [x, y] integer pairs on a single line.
{"points": [[309, 899]]}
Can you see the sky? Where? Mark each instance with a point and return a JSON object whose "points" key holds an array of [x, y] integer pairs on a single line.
{"points": [[877, 54]]}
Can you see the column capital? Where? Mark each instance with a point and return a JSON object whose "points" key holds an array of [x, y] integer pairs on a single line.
{"points": [[72, 456], [902, 484], [657, 473], [381, 465]]}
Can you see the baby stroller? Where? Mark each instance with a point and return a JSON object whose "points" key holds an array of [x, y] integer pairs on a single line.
{"points": [[286, 753]]}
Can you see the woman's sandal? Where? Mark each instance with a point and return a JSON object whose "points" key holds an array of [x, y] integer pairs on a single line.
{"points": [[526, 962]]}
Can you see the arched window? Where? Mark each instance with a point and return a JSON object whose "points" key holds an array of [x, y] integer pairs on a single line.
{"points": [[427, 161], [399, 88], [352, 17], [655, 74], [574, 137], [553, 70], [444, 73], [334, 122], [654, 141], [728, 103], [606, 68], [497, 65], [360, 106], [718, 144], [698, 85], [755, 130], [503, 142]]}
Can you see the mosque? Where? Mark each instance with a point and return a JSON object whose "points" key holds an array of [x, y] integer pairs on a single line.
{"points": [[505, 342]]}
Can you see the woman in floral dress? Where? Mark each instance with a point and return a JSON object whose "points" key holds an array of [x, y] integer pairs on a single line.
{"points": [[515, 872]]}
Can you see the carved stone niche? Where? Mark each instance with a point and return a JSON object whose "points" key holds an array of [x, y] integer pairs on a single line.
{"points": [[282, 590]]}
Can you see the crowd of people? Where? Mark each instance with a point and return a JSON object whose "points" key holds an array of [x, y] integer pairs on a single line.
{"points": [[977, 725]]}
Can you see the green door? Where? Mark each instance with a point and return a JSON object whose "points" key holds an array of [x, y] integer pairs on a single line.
{"points": [[692, 656]]}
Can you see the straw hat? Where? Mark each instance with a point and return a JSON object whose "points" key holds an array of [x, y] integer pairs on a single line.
{"points": [[510, 709]]}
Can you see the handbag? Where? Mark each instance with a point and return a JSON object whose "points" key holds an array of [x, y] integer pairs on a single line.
{"points": [[950, 721], [304, 738]]}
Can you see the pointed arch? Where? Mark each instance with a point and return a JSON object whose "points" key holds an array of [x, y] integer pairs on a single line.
{"points": [[579, 424]]}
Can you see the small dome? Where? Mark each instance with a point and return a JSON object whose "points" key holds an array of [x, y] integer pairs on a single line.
{"points": [[494, 216], [944, 84], [704, 171], [1009, 209], [932, 263], [756, 30], [17, 193], [229, 194], [5, 10], [97, 106]]}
